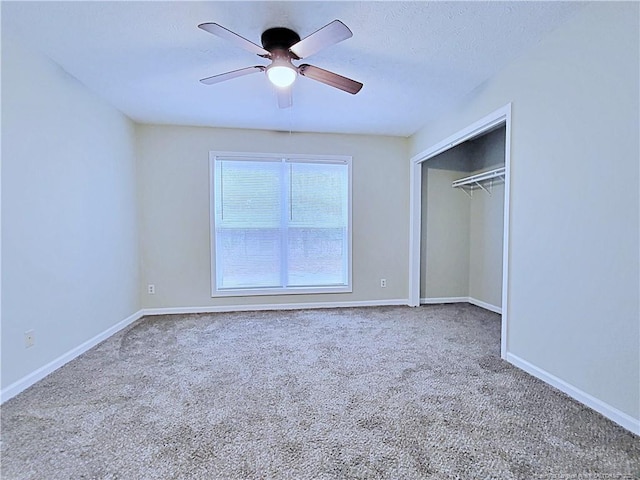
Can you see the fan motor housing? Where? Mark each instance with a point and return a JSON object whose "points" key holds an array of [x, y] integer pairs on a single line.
{"points": [[279, 38]]}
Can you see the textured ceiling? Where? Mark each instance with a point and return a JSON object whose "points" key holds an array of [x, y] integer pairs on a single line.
{"points": [[416, 59]]}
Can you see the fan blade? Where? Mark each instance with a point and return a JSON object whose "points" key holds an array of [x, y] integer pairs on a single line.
{"points": [[239, 41], [330, 78], [330, 34], [233, 74], [284, 97]]}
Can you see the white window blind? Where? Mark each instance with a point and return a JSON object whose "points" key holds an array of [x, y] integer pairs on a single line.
{"points": [[280, 224]]}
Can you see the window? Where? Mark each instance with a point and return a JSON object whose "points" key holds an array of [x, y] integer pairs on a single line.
{"points": [[280, 224]]}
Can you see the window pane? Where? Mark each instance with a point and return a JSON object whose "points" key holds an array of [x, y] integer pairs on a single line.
{"points": [[318, 195], [248, 212], [249, 194], [317, 253], [317, 256], [247, 258]]}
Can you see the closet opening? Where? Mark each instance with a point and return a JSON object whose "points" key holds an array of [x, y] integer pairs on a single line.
{"points": [[459, 219]]}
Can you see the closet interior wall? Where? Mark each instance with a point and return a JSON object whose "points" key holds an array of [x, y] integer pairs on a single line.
{"points": [[462, 235]]}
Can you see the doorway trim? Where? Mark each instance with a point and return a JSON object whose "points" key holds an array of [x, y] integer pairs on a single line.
{"points": [[485, 124]]}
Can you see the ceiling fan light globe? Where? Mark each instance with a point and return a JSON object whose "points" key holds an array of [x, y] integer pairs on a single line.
{"points": [[281, 76]]}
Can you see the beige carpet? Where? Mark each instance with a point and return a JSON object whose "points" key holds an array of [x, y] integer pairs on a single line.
{"points": [[365, 393]]}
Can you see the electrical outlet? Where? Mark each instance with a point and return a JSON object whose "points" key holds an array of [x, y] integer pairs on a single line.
{"points": [[29, 338], [151, 289], [383, 282]]}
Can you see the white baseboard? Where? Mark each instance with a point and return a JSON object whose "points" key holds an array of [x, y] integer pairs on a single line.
{"points": [[485, 305], [435, 300], [37, 375], [471, 300], [275, 306], [25, 382], [612, 413]]}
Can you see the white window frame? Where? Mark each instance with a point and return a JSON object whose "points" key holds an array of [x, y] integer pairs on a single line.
{"points": [[341, 159]]}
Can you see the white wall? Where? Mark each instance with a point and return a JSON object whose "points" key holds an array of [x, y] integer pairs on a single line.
{"points": [[69, 236], [445, 236], [574, 227], [173, 192], [486, 230], [461, 240]]}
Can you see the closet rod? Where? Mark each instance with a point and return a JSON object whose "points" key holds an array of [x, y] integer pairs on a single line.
{"points": [[479, 177]]}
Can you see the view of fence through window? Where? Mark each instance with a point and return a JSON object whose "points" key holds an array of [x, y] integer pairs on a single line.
{"points": [[280, 223]]}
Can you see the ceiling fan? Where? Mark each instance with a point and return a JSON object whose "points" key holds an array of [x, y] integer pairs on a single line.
{"points": [[281, 46]]}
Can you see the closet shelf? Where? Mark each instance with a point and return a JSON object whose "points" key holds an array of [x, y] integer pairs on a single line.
{"points": [[476, 181]]}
